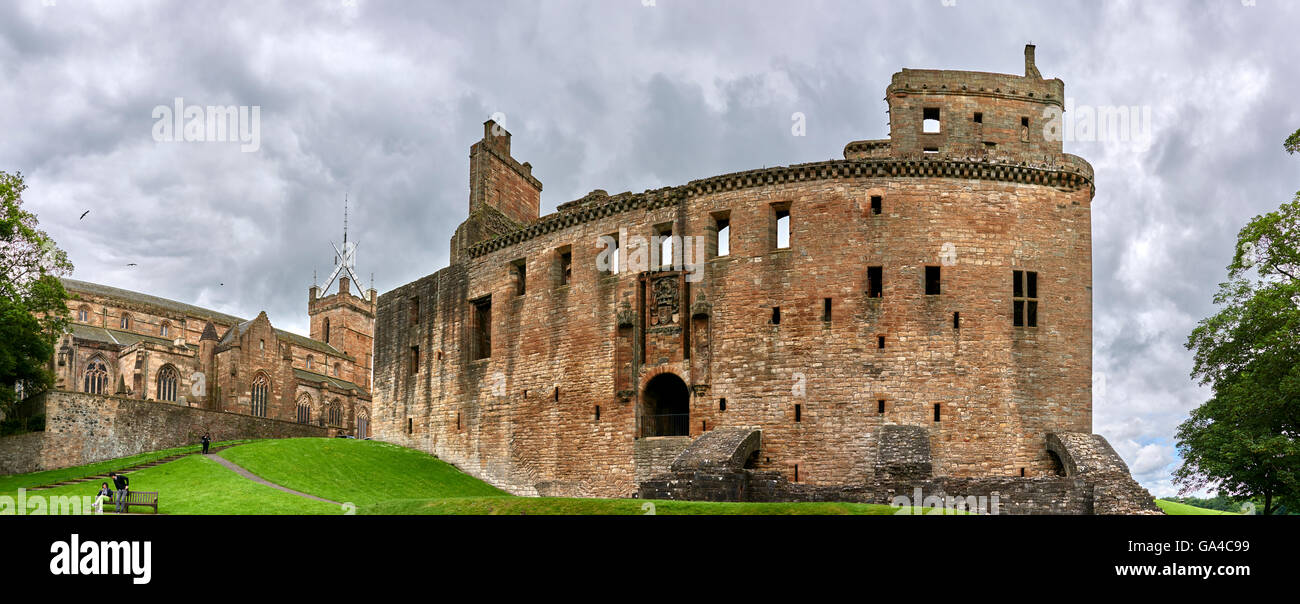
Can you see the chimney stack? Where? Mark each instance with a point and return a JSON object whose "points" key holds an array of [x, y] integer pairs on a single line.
{"points": [[1031, 70]]}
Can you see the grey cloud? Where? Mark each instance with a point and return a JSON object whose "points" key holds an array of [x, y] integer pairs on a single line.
{"points": [[382, 101]]}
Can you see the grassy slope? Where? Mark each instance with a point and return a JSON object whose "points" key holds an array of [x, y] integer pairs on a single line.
{"points": [[13, 482], [1174, 508], [382, 478], [362, 472], [627, 507], [197, 485]]}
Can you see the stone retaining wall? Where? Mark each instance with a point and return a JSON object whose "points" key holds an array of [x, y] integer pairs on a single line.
{"points": [[85, 428]]}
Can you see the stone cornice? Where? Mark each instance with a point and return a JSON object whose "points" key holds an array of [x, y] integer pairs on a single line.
{"points": [[1072, 174]]}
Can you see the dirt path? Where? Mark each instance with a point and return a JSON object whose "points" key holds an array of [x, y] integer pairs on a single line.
{"points": [[258, 479]]}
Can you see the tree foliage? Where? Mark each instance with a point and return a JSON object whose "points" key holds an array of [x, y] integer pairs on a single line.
{"points": [[33, 303], [1245, 440]]}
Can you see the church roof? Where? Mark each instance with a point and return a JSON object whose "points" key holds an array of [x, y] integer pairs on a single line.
{"points": [[73, 285], [116, 336], [317, 378]]}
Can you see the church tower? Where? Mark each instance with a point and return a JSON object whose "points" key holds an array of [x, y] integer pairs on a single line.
{"points": [[343, 320]]}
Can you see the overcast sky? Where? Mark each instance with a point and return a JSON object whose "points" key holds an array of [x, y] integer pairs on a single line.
{"points": [[381, 100]]}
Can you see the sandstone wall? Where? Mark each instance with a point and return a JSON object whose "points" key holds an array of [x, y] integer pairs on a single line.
{"points": [[1000, 388], [85, 428]]}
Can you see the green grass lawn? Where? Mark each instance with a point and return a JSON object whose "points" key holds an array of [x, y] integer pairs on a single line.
{"points": [[380, 478], [13, 482], [360, 471], [1174, 508], [626, 507], [197, 485]]}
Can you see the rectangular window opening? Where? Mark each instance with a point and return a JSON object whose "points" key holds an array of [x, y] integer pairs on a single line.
{"points": [[875, 281], [611, 252], [877, 204], [481, 345], [722, 404], [415, 310], [931, 150], [782, 229], [721, 234], [880, 406], [664, 245], [410, 426], [776, 315], [520, 269], [930, 120], [826, 310], [932, 281], [415, 359], [566, 265], [597, 412], [1024, 293], [936, 412], [979, 118], [798, 412], [880, 341], [956, 320]]}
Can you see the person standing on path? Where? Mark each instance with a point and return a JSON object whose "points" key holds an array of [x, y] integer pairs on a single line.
{"points": [[122, 483]]}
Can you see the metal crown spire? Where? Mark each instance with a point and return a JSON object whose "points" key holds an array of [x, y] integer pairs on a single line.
{"points": [[345, 261]]}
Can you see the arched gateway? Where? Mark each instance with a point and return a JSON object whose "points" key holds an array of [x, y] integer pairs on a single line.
{"points": [[666, 407]]}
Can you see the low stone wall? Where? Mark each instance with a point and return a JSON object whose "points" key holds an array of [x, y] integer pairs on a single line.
{"points": [[652, 456], [1096, 480], [1022, 496], [85, 428]]}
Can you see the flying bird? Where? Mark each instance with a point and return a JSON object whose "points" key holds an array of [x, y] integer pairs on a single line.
{"points": [[131, 264], [83, 214]]}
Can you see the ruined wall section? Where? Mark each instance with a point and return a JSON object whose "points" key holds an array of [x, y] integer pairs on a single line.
{"points": [[1000, 388]]}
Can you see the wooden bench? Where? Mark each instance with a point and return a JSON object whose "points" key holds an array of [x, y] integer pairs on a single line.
{"points": [[144, 498]]}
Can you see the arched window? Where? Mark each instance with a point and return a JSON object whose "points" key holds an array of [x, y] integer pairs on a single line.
{"points": [[304, 409], [83, 314], [167, 383], [363, 424], [335, 414], [261, 393], [310, 361], [327, 330], [95, 380], [164, 328], [125, 321]]}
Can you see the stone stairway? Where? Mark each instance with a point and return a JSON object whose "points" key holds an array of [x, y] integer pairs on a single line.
{"points": [[142, 466]]}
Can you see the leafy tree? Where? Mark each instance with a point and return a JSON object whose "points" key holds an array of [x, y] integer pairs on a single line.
{"points": [[1292, 143], [1246, 439], [33, 303]]}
